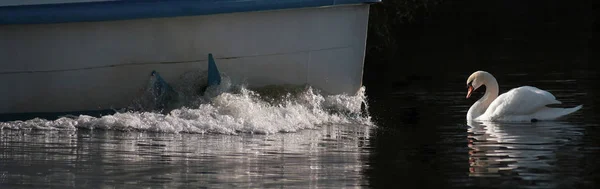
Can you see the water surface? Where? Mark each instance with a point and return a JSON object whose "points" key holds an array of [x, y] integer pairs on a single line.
{"points": [[328, 157], [417, 137]]}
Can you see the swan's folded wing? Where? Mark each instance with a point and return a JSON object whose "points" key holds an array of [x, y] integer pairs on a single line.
{"points": [[521, 101]]}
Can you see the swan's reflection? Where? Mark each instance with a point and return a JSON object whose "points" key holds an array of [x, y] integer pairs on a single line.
{"points": [[526, 150]]}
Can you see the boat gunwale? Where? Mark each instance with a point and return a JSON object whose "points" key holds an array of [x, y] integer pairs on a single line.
{"points": [[140, 9]]}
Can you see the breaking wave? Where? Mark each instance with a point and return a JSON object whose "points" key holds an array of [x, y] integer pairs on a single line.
{"points": [[224, 109]]}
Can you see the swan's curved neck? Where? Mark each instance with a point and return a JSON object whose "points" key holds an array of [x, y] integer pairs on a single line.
{"points": [[491, 93]]}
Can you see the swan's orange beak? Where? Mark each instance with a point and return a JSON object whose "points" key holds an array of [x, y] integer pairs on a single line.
{"points": [[470, 90]]}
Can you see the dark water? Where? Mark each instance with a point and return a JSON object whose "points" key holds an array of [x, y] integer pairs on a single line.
{"points": [[416, 98], [426, 142]]}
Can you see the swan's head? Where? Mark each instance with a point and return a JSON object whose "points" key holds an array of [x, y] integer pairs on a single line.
{"points": [[476, 80]]}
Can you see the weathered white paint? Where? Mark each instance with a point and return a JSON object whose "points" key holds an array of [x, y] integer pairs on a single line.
{"points": [[102, 65]]}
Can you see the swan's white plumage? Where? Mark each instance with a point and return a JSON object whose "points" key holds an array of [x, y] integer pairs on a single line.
{"points": [[521, 101], [524, 103]]}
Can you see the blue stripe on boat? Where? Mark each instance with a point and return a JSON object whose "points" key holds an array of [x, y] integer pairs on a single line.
{"points": [[135, 9]]}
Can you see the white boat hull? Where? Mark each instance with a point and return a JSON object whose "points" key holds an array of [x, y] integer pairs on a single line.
{"points": [[82, 66]]}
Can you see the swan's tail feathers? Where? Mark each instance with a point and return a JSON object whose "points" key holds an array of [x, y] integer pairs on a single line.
{"points": [[554, 113]]}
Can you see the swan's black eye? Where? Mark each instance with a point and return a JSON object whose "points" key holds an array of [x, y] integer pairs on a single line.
{"points": [[469, 84]]}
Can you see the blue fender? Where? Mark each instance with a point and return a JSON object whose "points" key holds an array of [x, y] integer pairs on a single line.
{"points": [[214, 77]]}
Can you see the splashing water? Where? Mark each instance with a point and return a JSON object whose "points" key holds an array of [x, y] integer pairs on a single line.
{"points": [[224, 109]]}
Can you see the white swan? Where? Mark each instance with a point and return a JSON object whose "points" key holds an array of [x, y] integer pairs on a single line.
{"points": [[522, 104]]}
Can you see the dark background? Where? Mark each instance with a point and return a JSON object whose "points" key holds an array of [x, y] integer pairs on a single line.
{"points": [[421, 39]]}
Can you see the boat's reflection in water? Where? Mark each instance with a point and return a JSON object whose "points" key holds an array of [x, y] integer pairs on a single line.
{"points": [[526, 151], [329, 156]]}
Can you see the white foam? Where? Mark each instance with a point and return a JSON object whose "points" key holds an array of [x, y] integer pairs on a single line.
{"points": [[229, 110]]}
